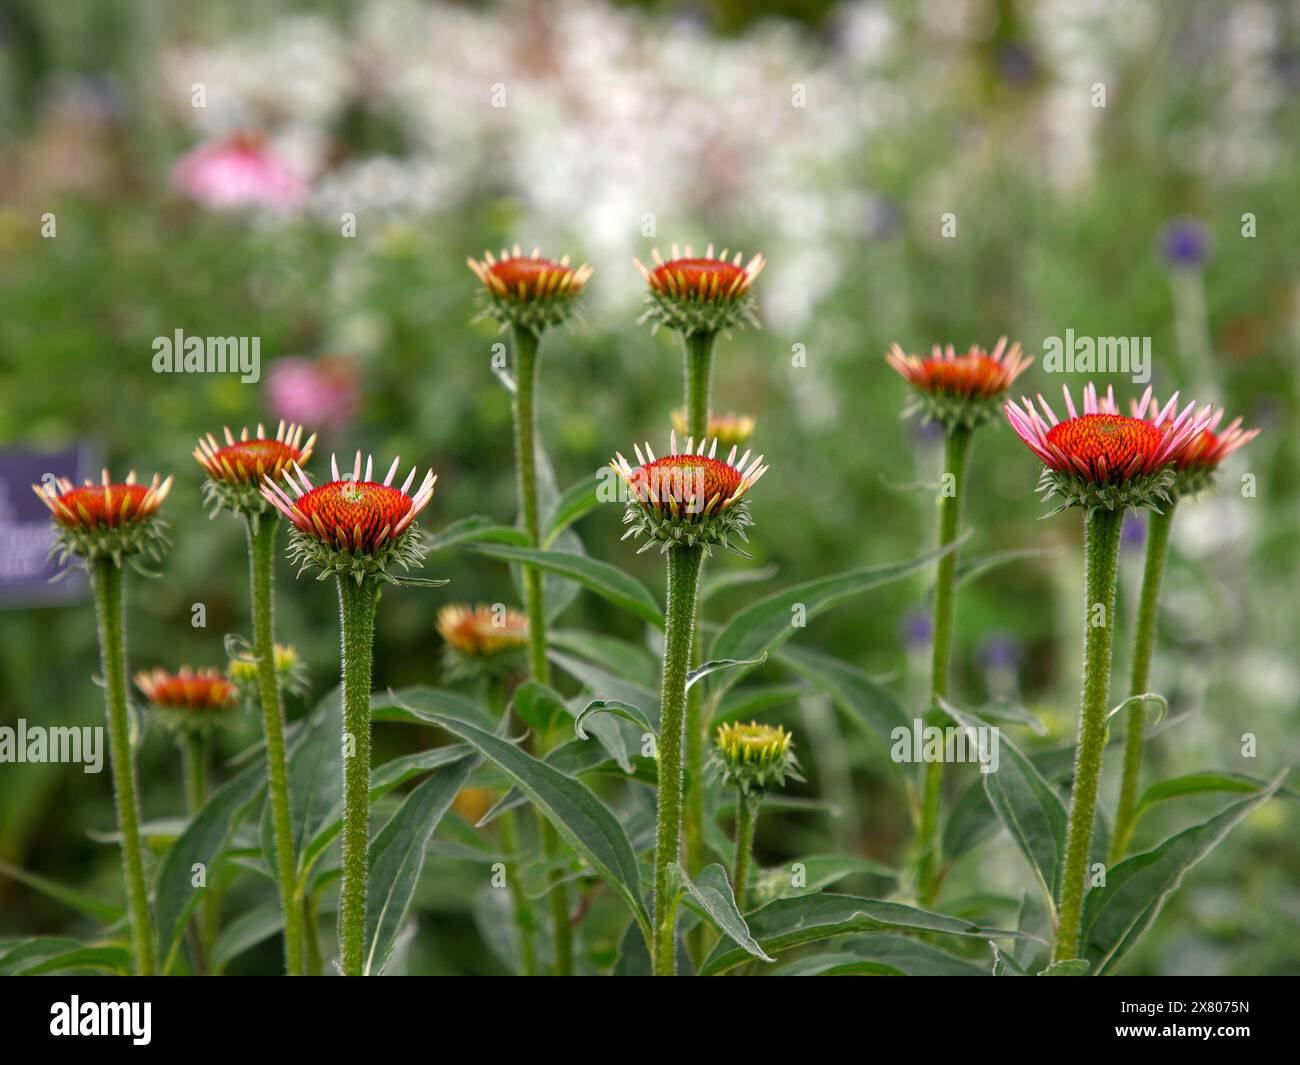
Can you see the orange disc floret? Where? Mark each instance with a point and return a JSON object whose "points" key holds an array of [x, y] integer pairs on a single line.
{"points": [[1107, 447], [959, 391], [700, 294], [966, 375], [526, 279], [690, 481], [480, 631], [187, 689], [355, 515], [248, 459], [702, 279], [106, 520], [107, 505], [529, 291]]}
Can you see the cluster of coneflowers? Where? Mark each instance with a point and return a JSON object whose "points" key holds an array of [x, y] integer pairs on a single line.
{"points": [[1104, 463]]}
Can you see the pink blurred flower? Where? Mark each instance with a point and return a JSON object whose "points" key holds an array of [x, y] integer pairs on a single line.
{"points": [[239, 171], [326, 389]]}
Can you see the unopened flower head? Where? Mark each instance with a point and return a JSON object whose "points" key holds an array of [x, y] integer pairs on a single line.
{"points": [[352, 526], [690, 497], [707, 294], [290, 673], [529, 292], [236, 469], [754, 757], [482, 639], [959, 391], [189, 700], [729, 430], [1195, 469], [239, 171], [1101, 458], [106, 520]]}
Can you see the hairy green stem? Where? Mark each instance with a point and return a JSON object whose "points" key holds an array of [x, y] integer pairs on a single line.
{"points": [[106, 578], [194, 770], [311, 937], [956, 463], [1101, 559], [746, 820], [683, 590], [261, 564], [357, 607], [1158, 526], [698, 373]]}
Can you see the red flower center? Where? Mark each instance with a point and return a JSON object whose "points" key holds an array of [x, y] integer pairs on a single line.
{"points": [[358, 515], [527, 278], [249, 460], [703, 278], [189, 691], [689, 480], [1109, 446], [966, 375], [97, 505]]}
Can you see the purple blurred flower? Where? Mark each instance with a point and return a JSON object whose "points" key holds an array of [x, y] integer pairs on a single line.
{"points": [[927, 432], [1134, 534], [236, 172], [1000, 650], [1185, 243], [1016, 63], [323, 393], [917, 630]]}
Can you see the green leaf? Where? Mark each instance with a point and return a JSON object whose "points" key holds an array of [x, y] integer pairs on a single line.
{"points": [[1011, 713], [103, 912], [600, 577], [748, 702], [712, 895], [472, 530], [538, 706], [836, 965], [1117, 915], [908, 957], [202, 843], [1070, 967], [716, 580], [768, 623], [613, 706], [788, 923], [973, 566], [628, 660], [246, 931], [718, 665], [396, 858], [862, 699], [582, 819], [605, 685], [970, 822], [576, 502], [1200, 783], [823, 870], [393, 705], [1027, 804], [110, 959]]}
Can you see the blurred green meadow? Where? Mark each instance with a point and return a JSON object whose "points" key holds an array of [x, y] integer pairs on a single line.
{"points": [[942, 172]]}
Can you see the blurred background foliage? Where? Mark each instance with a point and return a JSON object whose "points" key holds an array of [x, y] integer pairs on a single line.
{"points": [[832, 137]]}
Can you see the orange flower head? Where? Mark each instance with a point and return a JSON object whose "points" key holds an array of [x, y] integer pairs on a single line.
{"points": [[959, 391], [481, 640], [529, 292], [106, 520], [235, 470], [729, 430], [700, 294], [189, 702]]}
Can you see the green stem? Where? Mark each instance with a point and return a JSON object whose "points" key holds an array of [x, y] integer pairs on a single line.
{"points": [[698, 370], [956, 461], [526, 343], [746, 819], [1101, 559], [1158, 526], [261, 558], [311, 937], [357, 606], [106, 579], [683, 589], [194, 769]]}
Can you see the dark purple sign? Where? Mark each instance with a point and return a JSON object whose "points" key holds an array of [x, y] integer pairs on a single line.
{"points": [[26, 532]]}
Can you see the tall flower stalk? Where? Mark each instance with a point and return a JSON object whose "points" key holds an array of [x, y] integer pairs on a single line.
{"points": [[1194, 473], [700, 297], [107, 526], [960, 393], [235, 472], [359, 531], [528, 295], [1103, 463], [686, 503]]}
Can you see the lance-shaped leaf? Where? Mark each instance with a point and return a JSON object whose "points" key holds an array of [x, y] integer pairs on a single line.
{"points": [[472, 530], [861, 698], [575, 502], [613, 706], [710, 894], [718, 665]]}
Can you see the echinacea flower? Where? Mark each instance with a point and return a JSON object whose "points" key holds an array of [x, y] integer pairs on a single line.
{"points": [[189, 700], [688, 498], [707, 294], [235, 470], [729, 430], [290, 673], [481, 638], [237, 172], [353, 526], [529, 292], [106, 520], [754, 757], [1196, 466], [959, 391], [1101, 458]]}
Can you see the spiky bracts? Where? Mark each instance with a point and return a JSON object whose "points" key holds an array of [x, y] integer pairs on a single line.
{"points": [[959, 391], [236, 469], [1101, 458], [754, 757], [708, 294], [106, 520], [482, 640], [529, 292], [192, 701], [290, 673], [688, 498], [354, 526], [729, 430]]}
